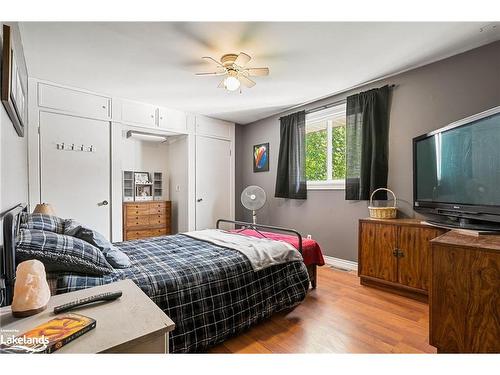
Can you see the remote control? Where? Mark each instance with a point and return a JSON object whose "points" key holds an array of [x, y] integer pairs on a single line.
{"points": [[84, 301]]}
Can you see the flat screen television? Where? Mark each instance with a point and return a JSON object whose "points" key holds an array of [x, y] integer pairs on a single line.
{"points": [[456, 173]]}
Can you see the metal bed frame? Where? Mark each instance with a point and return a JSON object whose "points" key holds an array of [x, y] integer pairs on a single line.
{"points": [[11, 221], [244, 225], [311, 269]]}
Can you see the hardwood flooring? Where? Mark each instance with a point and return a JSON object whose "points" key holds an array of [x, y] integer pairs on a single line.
{"points": [[340, 316]]}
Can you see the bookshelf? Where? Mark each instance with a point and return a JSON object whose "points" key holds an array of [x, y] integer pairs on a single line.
{"points": [[157, 186], [128, 186]]}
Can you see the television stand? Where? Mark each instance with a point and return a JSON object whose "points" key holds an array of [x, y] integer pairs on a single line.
{"points": [[464, 293]]}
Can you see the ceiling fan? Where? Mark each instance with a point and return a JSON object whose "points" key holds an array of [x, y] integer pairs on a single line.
{"points": [[233, 66]]}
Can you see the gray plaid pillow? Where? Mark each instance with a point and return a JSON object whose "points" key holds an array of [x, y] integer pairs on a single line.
{"points": [[59, 252], [115, 257], [43, 222]]}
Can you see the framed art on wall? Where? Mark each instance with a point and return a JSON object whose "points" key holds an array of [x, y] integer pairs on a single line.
{"points": [[14, 92], [261, 157]]}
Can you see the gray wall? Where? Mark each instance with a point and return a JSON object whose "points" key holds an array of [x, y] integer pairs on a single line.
{"points": [[424, 99]]}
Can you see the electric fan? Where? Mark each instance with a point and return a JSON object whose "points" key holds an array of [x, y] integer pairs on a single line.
{"points": [[253, 198]]}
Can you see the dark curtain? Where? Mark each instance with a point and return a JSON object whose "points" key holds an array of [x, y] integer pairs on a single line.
{"points": [[291, 173], [367, 144]]}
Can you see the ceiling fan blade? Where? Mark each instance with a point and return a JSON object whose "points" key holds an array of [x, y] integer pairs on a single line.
{"points": [[255, 72], [213, 60], [211, 74], [242, 59], [246, 81]]}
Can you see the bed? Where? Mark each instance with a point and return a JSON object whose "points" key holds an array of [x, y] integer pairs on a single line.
{"points": [[211, 292]]}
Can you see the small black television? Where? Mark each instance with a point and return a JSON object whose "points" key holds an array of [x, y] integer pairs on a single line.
{"points": [[456, 173]]}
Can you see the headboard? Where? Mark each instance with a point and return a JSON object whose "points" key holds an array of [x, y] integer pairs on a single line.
{"points": [[11, 220], [244, 225]]}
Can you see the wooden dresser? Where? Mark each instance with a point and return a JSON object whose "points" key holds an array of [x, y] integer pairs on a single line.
{"points": [[146, 219], [393, 254], [464, 300]]}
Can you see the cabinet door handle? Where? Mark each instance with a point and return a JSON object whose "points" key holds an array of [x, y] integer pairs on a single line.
{"points": [[398, 253], [103, 203], [199, 199]]}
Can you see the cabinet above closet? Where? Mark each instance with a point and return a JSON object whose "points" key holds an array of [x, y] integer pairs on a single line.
{"points": [[135, 113], [76, 102], [150, 116], [171, 119]]}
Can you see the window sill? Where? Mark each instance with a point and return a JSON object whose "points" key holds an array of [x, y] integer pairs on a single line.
{"points": [[326, 185]]}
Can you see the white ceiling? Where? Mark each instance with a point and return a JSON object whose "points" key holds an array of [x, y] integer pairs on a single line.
{"points": [[156, 62]]}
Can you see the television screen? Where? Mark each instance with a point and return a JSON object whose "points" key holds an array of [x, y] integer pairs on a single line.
{"points": [[460, 165]]}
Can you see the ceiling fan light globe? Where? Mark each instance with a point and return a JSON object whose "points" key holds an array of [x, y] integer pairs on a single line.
{"points": [[232, 83]]}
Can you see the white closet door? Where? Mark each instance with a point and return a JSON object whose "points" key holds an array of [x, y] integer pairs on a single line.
{"points": [[213, 181], [76, 183]]}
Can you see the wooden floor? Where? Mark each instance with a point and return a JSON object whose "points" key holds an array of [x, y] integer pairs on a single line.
{"points": [[340, 316]]}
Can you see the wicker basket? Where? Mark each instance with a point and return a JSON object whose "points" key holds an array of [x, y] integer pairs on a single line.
{"points": [[383, 212]]}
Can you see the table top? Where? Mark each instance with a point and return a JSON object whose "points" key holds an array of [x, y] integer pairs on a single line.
{"points": [[462, 238], [399, 221], [132, 316]]}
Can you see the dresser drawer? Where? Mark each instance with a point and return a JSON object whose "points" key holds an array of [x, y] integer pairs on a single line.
{"points": [[137, 234], [158, 211], [158, 208], [160, 232], [134, 210], [157, 219], [137, 221]]}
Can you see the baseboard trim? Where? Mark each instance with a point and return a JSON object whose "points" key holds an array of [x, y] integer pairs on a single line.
{"points": [[341, 263]]}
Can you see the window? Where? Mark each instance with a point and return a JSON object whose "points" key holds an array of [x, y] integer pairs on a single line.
{"points": [[325, 148]]}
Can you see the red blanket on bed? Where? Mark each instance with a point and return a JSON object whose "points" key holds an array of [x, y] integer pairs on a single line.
{"points": [[311, 252]]}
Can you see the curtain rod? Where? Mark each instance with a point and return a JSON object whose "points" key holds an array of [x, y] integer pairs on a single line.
{"points": [[333, 104]]}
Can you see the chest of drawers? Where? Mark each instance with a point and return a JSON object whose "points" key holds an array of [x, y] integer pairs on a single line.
{"points": [[146, 219]]}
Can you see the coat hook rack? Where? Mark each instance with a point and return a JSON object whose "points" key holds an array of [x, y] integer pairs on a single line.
{"points": [[74, 147]]}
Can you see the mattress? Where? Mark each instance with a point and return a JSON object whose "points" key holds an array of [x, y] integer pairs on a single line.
{"points": [[311, 251]]}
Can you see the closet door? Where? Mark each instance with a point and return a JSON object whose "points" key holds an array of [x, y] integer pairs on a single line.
{"points": [[213, 181], [75, 182]]}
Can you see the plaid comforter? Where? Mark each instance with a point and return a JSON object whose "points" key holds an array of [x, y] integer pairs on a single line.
{"points": [[210, 292]]}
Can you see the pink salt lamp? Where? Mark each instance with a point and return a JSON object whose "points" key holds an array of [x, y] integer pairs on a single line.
{"points": [[31, 290]]}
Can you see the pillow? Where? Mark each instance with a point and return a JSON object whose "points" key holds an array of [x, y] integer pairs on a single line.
{"points": [[43, 222], [113, 255], [59, 252]]}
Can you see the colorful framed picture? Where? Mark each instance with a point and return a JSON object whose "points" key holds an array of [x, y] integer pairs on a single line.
{"points": [[261, 157]]}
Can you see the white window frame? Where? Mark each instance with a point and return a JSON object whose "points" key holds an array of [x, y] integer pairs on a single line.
{"points": [[329, 184]]}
